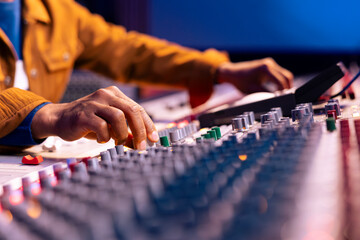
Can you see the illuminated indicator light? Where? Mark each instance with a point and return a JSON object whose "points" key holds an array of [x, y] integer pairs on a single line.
{"points": [[36, 190], [8, 216], [16, 199], [171, 125], [318, 234], [54, 182], [183, 123], [34, 210], [126, 149], [243, 157], [356, 114]]}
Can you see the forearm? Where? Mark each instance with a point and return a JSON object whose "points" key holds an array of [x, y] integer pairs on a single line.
{"points": [[15, 105], [22, 135], [134, 57]]}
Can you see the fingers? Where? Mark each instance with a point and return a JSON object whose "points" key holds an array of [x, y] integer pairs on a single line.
{"points": [[275, 77], [138, 121], [137, 109], [98, 126], [277, 74], [152, 133], [289, 77], [116, 120]]}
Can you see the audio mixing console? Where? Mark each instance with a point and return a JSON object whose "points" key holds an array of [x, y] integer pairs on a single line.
{"points": [[277, 178]]}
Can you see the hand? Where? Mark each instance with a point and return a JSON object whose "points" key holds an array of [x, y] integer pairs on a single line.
{"points": [[101, 115], [250, 76]]}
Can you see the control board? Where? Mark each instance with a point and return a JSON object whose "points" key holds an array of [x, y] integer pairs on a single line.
{"points": [[278, 178]]}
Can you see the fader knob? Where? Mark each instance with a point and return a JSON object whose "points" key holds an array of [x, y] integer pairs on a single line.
{"points": [[251, 117], [330, 124], [212, 134], [175, 135], [298, 114], [278, 110], [285, 121], [333, 106], [267, 117], [164, 141], [217, 131], [237, 124], [307, 106], [244, 121], [113, 153], [120, 150], [105, 156]]}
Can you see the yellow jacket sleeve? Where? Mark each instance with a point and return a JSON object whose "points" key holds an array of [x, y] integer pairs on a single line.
{"points": [[133, 57], [15, 105]]}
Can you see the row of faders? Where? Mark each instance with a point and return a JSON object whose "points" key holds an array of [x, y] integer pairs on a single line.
{"points": [[230, 188], [177, 133]]}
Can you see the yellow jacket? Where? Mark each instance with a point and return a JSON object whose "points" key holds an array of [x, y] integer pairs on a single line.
{"points": [[61, 35]]}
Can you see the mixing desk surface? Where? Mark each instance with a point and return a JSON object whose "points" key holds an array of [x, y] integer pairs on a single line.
{"points": [[279, 178]]}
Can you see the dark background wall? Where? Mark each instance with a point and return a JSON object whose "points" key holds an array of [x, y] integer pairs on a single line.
{"points": [[133, 14], [302, 35]]}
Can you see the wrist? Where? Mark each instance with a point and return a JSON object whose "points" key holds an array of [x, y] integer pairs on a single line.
{"points": [[221, 73], [43, 122]]}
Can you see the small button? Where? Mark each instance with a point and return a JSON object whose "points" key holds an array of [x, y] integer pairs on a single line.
{"points": [[7, 81], [33, 73], [32, 160]]}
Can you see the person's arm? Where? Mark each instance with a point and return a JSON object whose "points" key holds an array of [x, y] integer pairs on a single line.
{"points": [[251, 76], [138, 58], [134, 57], [101, 115], [22, 135], [15, 106]]}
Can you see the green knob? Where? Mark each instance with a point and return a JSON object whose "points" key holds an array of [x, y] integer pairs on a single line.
{"points": [[164, 141], [206, 136], [330, 124], [212, 134], [218, 132]]}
